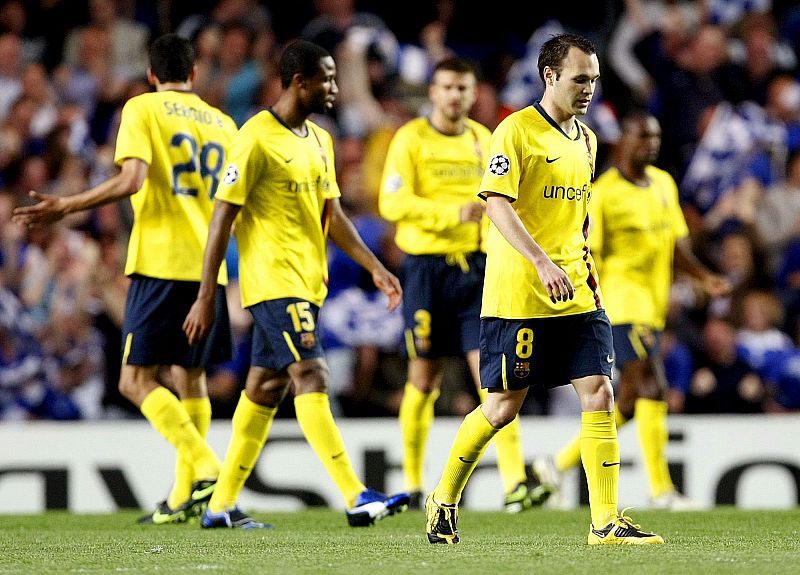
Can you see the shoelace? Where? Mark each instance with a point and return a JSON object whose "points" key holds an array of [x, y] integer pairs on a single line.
{"points": [[627, 520]]}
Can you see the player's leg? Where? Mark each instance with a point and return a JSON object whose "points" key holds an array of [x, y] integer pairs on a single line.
{"points": [[590, 375], [510, 460], [425, 280], [476, 431], [190, 385], [416, 417], [508, 385]]}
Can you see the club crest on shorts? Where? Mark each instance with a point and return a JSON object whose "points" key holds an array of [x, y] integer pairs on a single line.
{"points": [[522, 369], [308, 340]]}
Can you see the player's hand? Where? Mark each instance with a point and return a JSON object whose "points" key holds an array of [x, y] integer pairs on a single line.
{"points": [[199, 320], [555, 281], [46, 209], [388, 283], [716, 285], [472, 212]]}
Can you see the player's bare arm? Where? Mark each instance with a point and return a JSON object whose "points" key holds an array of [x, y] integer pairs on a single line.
{"points": [[345, 236], [714, 285], [198, 322], [502, 214], [49, 209]]}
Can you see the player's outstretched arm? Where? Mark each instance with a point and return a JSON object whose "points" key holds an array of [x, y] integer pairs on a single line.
{"points": [[714, 285], [200, 318], [502, 214], [49, 209], [346, 237]]}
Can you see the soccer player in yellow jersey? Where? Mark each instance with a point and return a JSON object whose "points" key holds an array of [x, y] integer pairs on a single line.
{"points": [[280, 189], [171, 150], [542, 318], [433, 169], [637, 228]]}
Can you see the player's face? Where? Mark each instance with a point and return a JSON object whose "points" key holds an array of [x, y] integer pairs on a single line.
{"points": [[574, 87], [452, 94], [321, 89], [646, 140]]}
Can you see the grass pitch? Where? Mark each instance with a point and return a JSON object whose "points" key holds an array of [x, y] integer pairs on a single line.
{"points": [[723, 540]]}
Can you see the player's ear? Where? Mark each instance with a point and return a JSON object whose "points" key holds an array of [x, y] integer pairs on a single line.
{"points": [[151, 78], [193, 73]]}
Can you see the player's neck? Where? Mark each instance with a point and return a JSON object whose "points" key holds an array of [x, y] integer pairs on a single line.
{"points": [[174, 87], [446, 125], [634, 173], [290, 116], [565, 120]]}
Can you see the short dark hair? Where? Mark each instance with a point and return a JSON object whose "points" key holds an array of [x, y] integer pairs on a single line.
{"points": [[454, 64], [300, 57], [171, 58], [555, 50]]}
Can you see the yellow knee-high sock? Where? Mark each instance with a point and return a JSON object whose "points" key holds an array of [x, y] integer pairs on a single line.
{"points": [[250, 427], [570, 454], [510, 461], [199, 410], [416, 417], [471, 440], [600, 455], [651, 420], [168, 416], [313, 412]]}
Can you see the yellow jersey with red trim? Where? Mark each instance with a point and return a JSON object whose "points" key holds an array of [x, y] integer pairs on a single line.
{"points": [[547, 175], [283, 182]]}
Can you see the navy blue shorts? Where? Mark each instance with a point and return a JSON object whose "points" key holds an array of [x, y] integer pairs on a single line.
{"points": [[441, 305], [634, 341], [152, 333], [549, 352], [285, 331]]}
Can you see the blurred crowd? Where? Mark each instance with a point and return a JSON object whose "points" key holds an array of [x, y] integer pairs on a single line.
{"points": [[722, 76]]}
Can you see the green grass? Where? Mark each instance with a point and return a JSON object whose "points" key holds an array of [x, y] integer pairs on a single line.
{"points": [[724, 540]]}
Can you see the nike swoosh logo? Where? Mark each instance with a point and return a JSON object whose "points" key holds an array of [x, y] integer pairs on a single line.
{"points": [[609, 359], [337, 455], [243, 468], [462, 460], [607, 464], [549, 161], [289, 160]]}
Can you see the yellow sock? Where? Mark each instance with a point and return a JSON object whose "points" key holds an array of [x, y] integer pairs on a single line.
{"points": [[250, 427], [416, 417], [471, 440], [651, 420], [168, 416], [313, 412], [570, 454], [199, 410], [600, 455], [510, 461]]}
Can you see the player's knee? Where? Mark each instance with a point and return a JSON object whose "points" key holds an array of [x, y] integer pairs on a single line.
{"points": [[310, 376], [597, 397], [499, 415]]}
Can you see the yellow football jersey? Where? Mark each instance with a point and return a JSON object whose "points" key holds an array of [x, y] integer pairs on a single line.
{"points": [[427, 177], [547, 174], [283, 183], [632, 235], [184, 141]]}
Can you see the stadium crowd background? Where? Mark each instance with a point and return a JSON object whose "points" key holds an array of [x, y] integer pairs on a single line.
{"points": [[722, 76]]}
